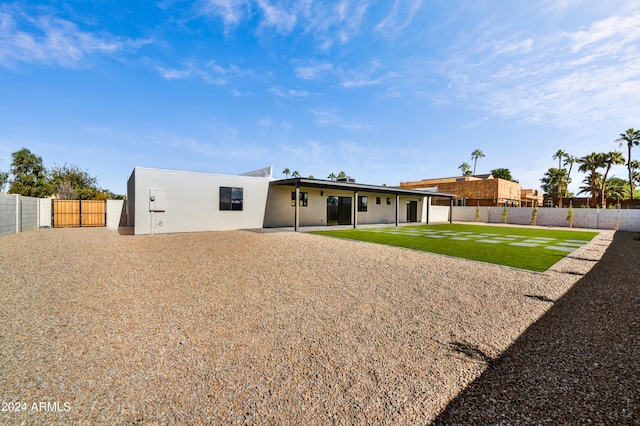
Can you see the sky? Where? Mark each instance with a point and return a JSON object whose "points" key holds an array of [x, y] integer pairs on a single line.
{"points": [[386, 91]]}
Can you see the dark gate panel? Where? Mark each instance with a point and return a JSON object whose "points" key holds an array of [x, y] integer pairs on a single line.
{"points": [[79, 213]]}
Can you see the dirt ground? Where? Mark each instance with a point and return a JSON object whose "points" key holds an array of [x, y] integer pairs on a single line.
{"points": [[289, 328]]}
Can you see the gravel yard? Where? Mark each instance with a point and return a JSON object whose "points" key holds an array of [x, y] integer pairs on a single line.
{"points": [[242, 327]]}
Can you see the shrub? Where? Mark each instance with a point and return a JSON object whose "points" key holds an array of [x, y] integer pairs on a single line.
{"points": [[534, 216], [505, 215], [570, 216]]}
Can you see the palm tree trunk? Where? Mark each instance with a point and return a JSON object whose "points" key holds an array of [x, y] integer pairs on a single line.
{"points": [[566, 188], [630, 171], [603, 197]]}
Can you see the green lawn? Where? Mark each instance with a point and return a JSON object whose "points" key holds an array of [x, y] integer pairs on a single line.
{"points": [[532, 249]]}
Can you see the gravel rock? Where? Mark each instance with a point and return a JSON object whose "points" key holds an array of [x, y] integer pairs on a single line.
{"points": [[290, 328]]}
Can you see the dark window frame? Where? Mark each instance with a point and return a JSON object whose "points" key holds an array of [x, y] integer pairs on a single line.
{"points": [[231, 198], [363, 203], [304, 199]]}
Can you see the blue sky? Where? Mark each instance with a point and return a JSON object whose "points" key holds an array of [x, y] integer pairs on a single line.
{"points": [[387, 91]]}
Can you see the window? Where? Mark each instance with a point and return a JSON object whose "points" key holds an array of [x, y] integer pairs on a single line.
{"points": [[304, 199], [363, 202], [230, 198], [388, 201], [378, 200]]}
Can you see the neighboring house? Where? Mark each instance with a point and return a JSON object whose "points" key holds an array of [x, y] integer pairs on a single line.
{"points": [[483, 190], [166, 201]]}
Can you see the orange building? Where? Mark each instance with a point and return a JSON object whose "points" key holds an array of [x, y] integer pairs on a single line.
{"points": [[483, 190]]}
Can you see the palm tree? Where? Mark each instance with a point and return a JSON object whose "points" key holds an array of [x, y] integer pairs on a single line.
{"points": [[286, 172], [465, 168], [474, 156], [617, 189], [550, 181], [592, 183], [570, 160], [295, 174], [591, 163], [635, 172], [558, 156], [609, 159], [630, 137]]}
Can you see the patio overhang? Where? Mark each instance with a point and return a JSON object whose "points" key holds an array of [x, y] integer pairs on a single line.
{"points": [[356, 188]]}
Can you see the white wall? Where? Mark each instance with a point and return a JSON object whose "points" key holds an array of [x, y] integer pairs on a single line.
{"points": [[192, 201], [624, 219], [45, 213], [115, 214], [438, 214]]}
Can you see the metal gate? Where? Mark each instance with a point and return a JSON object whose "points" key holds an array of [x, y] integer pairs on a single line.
{"points": [[78, 213]]}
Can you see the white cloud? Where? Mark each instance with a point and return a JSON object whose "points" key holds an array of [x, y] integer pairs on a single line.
{"points": [[231, 11], [326, 117], [570, 78], [313, 71], [210, 72], [400, 16], [52, 40], [289, 93], [277, 17], [329, 23], [610, 34]]}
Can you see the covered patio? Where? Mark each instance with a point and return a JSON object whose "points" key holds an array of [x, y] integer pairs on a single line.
{"points": [[352, 205]]}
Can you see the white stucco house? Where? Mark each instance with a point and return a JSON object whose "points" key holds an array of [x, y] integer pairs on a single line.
{"points": [[167, 201]]}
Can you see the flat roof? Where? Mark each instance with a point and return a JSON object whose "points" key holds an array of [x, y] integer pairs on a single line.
{"points": [[329, 184]]}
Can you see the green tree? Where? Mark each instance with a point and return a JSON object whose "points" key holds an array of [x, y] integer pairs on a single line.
{"points": [[4, 177], [569, 160], [342, 175], [502, 173], [591, 185], [29, 175], [550, 181], [591, 163], [332, 176], [570, 216], [286, 172], [631, 137], [558, 156], [73, 183], [295, 174], [635, 173], [609, 159], [465, 168], [474, 156], [617, 189]]}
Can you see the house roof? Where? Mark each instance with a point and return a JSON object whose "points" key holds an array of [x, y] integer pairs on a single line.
{"points": [[352, 186]]}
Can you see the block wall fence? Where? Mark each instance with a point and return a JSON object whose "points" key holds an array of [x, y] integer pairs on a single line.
{"points": [[19, 213], [620, 219]]}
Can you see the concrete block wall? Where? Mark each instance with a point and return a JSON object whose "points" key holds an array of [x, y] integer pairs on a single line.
{"points": [[8, 214], [18, 213], [28, 213], [623, 220]]}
